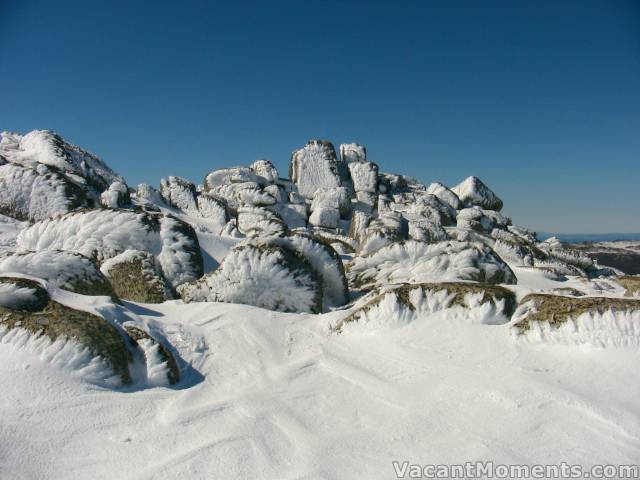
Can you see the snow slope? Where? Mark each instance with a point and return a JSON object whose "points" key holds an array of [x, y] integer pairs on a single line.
{"points": [[268, 395]]}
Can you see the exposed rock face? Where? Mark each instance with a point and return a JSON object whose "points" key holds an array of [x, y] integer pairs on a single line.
{"points": [[444, 194], [116, 196], [29, 307], [314, 166], [133, 277], [67, 270], [265, 171], [270, 277], [179, 193], [418, 262], [472, 192], [353, 152], [103, 234], [413, 296], [557, 309]]}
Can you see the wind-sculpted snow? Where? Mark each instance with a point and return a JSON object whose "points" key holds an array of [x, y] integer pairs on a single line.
{"points": [[103, 234], [270, 277], [67, 270], [472, 192], [418, 262]]}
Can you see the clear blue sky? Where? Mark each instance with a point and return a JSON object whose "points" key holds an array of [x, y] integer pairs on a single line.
{"points": [[541, 99]]}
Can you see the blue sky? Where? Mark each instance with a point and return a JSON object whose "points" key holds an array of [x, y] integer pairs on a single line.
{"points": [[540, 99]]}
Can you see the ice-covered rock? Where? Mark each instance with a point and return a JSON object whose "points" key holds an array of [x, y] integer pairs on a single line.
{"points": [[270, 277], [477, 218], [212, 208], [382, 231], [265, 170], [67, 270], [133, 276], [419, 262], [147, 194], [314, 166], [472, 192], [179, 193], [37, 193], [364, 176], [294, 215], [260, 221], [48, 148], [359, 223], [103, 234], [99, 343], [243, 194], [325, 217], [227, 176], [116, 196], [325, 262], [332, 198], [162, 367], [353, 152], [444, 194], [427, 231]]}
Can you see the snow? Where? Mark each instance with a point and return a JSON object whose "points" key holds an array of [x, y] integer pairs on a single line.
{"points": [[179, 193], [114, 196], [418, 262], [265, 170], [283, 397], [353, 152], [325, 217]]}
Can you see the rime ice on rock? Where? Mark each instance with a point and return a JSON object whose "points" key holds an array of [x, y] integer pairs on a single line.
{"points": [[116, 196], [472, 192], [353, 152], [265, 170], [314, 166], [444, 194], [179, 193]]}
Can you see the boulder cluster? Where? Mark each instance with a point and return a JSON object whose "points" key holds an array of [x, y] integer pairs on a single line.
{"points": [[336, 229]]}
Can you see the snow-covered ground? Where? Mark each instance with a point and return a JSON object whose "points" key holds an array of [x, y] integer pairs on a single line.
{"points": [[276, 396]]}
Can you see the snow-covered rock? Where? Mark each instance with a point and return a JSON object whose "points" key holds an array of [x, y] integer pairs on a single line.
{"points": [[325, 262], [116, 196], [212, 208], [162, 367], [364, 176], [270, 277], [179, 193], [477, 218], [353, 152], [37, 193], [382, 231], [227, 176], [427, 231], [332, 198], [444, 194], [39, 315], [418, 262], [265, 170], [260, 221], [133, 276], [48, 148], [314, 166], [325, 217], [67, 270], [472, 192], [359, 223], [103, 234], [147, 194]]}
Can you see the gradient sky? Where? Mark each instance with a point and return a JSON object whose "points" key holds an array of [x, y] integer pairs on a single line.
{"points": [[540, 99]]}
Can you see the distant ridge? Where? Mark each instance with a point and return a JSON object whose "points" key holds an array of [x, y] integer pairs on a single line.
{"points": [[590, 237]]}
